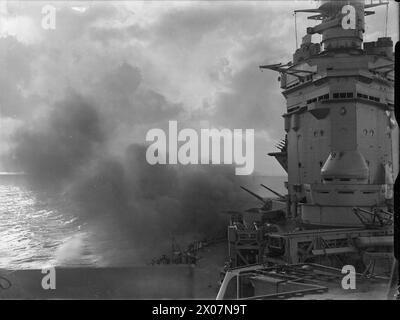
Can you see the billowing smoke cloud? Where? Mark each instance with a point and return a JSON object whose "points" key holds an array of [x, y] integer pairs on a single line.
{"points": [[54, 148], [68, 153], [132, 67]]}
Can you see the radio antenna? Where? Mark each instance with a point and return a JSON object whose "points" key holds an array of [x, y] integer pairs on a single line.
{"points": [[386, 19], [295, 28]]}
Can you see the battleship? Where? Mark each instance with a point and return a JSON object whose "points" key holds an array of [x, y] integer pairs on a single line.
{"points": [[341, 155]]}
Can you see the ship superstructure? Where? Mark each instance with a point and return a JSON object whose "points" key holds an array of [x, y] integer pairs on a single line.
{"points": [[340, 150]]}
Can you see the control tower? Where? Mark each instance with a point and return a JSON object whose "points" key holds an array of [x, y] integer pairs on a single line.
{"points": [[341, 149]]}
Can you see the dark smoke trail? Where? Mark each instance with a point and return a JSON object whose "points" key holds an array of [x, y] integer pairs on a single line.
{"points": [[52, 150], [147, 204]]}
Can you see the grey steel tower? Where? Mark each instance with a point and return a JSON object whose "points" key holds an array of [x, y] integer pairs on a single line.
{"points": [[341, 145]]}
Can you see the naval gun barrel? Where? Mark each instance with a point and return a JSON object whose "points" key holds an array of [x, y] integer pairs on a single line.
{"points": [[274, 192], [255, 195]]}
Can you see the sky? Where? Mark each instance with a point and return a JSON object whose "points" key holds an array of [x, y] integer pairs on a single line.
{"points": [[143, 63]]}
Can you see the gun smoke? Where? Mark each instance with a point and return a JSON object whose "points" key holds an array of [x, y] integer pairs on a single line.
{"points": [[70, 154]]}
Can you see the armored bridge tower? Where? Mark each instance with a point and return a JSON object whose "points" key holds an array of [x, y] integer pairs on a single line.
{"points": [[341, 144]]}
